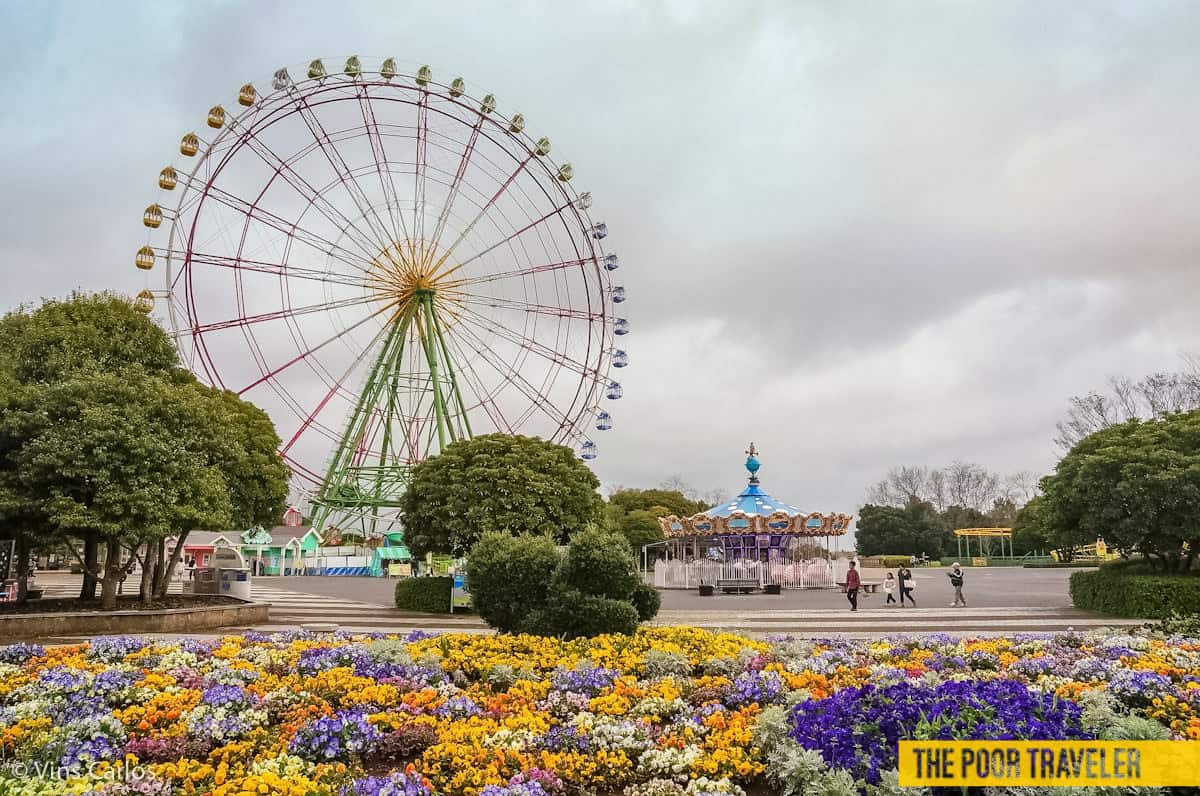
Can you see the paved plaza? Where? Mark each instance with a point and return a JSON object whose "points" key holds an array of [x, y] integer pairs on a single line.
{"points": [[1002, 601]]}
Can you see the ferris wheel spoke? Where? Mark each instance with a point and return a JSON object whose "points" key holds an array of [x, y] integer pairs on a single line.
{"points": [[558, 358], [496, 302], [309, 352], [315, 241], [445, 257], [485, 400], [536, 269], [517, 380], [308, 192], [455, 184], [365, 207], [379, 153], [333, 390], [420, 160], [282, 270], [251, 320], [553, 213]]}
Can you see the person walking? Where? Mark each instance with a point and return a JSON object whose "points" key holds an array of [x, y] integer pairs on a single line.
{"points": [[853, 582], [956, 580], [889, 588], [904, 580]]}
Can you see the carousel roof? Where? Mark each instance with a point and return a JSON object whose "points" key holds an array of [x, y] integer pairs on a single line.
{"points": [[754, 511], [753, 502]]}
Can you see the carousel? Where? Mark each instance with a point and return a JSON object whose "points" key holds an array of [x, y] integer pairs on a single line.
{"points": [[752, 536]]}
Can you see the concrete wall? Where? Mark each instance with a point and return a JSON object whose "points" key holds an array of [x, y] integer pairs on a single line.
{"points": [[174, 620]]}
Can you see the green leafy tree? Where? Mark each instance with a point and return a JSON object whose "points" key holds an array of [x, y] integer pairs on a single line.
{"points": [[1136, 485], [111, 458], [55, 341], [1033, 532], [497, 482], [912, 530], [634, 513], [97, 422]]}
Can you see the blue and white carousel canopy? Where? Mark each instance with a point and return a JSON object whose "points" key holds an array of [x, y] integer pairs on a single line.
{"points": [[753, 511], [753, 502]]}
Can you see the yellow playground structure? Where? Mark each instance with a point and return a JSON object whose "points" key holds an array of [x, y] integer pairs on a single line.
{"points": [[984, 538]]}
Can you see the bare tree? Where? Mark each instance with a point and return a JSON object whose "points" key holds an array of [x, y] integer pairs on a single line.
{"points": [[1020, 487], [1151, 396], [677, 484], [714, 497]]}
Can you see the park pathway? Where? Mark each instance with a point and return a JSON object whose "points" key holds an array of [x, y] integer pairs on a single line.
{"points": [[294, 610]]}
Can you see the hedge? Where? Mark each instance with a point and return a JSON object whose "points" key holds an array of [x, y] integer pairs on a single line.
{"points": [[428, 595], [1130, 591]]}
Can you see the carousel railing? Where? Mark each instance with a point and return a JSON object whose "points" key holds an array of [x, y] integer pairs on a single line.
{"points": [[818, 573]]}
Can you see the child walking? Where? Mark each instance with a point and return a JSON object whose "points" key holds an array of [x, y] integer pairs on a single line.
{"points": [[889, 588]]}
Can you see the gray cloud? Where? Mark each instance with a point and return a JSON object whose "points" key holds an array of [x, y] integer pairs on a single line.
{"points": [[857, 233]]}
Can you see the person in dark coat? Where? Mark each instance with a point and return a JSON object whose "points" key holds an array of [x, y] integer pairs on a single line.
{"points": [[904, 580]]}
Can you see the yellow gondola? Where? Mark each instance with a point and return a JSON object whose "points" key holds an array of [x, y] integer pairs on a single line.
{"points": [[353, 66], [316, 69], [517, 123], [247, 96], [145, 258], [424, 75], [565, 172], [168, 179], [543, 146], [189, 145], [144, 302], [489, 103], [152, 217], [457, 87], [216, 117], [388, 70]]}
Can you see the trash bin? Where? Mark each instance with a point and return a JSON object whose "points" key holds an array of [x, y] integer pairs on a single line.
{"points": [[235, 582], [203, 581]]}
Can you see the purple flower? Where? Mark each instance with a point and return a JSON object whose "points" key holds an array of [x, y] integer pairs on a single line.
{"points": [[77, 752], [333, 737], [1137, 688], [394, 784], [226, 695], [20, 653], [584, 681], [565, 738], [115, 648], [319, 659], [459, 707], [751, 687], [858, 729]]}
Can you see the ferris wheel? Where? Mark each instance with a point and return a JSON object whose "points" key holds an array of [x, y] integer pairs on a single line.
{"points": [[386, 264]]}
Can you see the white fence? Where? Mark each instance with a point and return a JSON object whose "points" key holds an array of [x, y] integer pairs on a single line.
{"points": [[818, 573]]}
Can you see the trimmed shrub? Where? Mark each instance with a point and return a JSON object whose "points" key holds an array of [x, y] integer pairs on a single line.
{"points": [[507, 575], [599, 563], [430, 595], [646, 600], [1128, 590], [893, 562], [525, 584], [570, 613]]}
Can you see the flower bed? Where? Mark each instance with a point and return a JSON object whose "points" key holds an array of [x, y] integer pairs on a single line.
{"points": [[666, 712]]}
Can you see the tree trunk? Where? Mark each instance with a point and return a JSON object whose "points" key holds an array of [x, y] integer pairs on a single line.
{"points": [[165, 583], [91, 554], [21, 549], [112, 574], [160, 564], [149, 562]]}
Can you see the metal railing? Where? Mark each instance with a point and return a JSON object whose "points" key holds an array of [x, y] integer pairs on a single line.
{"points": [[816, 573]]}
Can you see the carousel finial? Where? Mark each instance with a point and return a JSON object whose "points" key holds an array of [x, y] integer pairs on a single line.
{"points": [[752, 464]]}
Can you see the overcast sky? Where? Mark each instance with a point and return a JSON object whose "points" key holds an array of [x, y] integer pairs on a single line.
{"points": [[858, 234]]}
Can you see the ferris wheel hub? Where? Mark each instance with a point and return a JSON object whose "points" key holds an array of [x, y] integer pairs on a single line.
{"points": [[408, 272]]}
